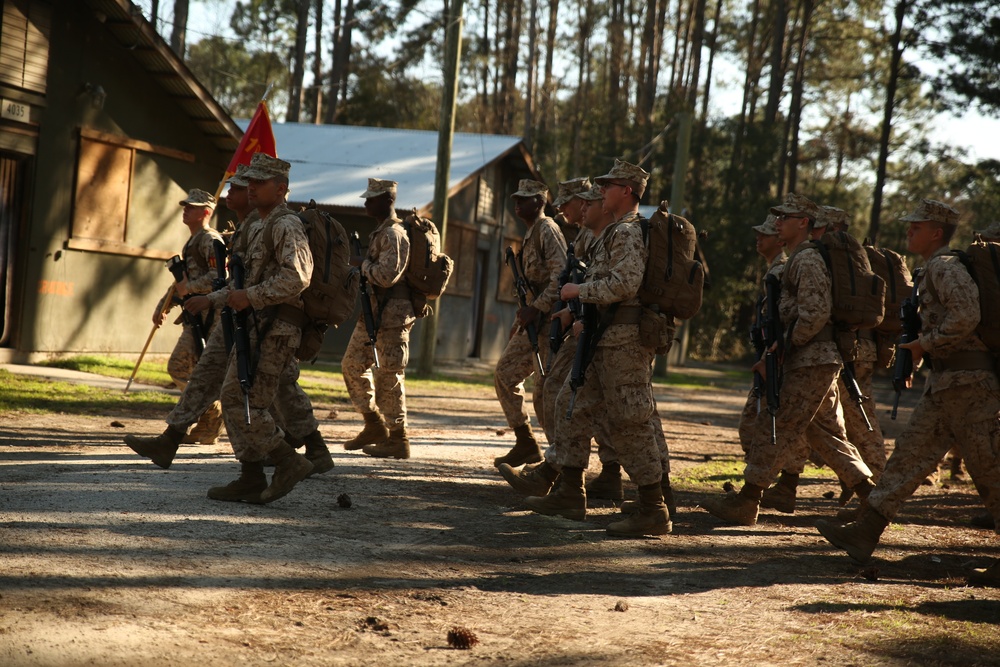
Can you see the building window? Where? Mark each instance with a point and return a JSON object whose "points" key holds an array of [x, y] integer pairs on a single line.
{"points": [[24, 44], [112, 172], [486, 201], [462, 241]]}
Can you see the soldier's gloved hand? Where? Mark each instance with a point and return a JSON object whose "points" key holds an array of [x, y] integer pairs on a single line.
{"points": [[197, 304], [527, 315], [238, 300]]}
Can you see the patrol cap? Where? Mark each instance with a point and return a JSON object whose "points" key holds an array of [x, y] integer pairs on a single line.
{"points": [[932, 210], [595, 193], [797, 205], [831, 216], [571, 188], [991, 232], [626, 173], [529, 188], [239, 179], [378, 187], [198, 197], [767, 228], [263, 167]]}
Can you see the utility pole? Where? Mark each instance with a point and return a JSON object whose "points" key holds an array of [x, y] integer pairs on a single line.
{"points": [[446, 128]]}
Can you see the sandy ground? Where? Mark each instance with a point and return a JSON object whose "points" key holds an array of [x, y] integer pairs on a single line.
{"points": [[108, 560]]}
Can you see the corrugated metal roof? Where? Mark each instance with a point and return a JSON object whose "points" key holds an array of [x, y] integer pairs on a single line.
{"points": [[332, 163]]}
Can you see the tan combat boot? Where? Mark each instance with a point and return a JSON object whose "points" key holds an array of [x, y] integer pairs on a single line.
{"points": [[536, 481], [849, 514], [247, 488], [989, 577], [396, 447], [651, 519], [632, 506], [859, 538], [608, 484], [568, 499], [374, 432], [525, 449], [736, 508], [781, 496], [318, 453], [290, 468], [209, 427], [161, 449]]}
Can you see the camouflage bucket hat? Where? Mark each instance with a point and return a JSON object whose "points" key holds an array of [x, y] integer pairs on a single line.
{"points": [[831, 216], [571, 188], [626, 173], [767, 228], [529, 188], [933, 211], [797, 205], [991, 232], [198, 197], [239, 179], [263, 167], [378, 187]]}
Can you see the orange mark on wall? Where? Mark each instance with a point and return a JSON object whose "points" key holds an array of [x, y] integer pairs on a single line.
{"points": [[57, 287]]}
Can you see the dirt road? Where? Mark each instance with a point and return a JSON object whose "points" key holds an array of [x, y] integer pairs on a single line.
{"points": [[108, 560]]}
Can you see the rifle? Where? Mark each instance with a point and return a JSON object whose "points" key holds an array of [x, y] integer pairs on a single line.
{"points": [[757, 340], [176, 267], [221, 254], [854, 391], [571, 273], [521, 285], [585, 348], [903, 368], [772, 335], [241, 335], [366, 302]]}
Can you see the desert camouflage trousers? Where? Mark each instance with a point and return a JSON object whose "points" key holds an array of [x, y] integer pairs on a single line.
{"points": [[810, 405], [274, 353], [964, 416], [292, 407], [379, 389], [516, 364], [870, 444], [616, 399], [181, 365]]}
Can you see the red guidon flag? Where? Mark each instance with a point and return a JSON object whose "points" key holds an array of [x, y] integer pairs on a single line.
{"points": [[259, 138]]}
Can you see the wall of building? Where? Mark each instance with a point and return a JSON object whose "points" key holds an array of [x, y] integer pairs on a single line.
{"points": [[81, 300]]}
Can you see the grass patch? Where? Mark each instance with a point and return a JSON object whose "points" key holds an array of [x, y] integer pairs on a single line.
{"points": [[150, 372], [27, 394], [709, 476]]}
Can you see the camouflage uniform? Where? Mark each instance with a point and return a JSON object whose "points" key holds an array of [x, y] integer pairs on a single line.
{"points": [[382, 389], [543, 257], [617, 393], [961, 399], [809, 396], [273, 280]]}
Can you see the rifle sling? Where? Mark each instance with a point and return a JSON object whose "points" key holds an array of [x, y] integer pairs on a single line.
{"points": [[970, 360]]}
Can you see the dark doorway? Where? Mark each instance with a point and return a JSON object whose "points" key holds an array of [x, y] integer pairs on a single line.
{"points": [[12, 196], [478, 303]]}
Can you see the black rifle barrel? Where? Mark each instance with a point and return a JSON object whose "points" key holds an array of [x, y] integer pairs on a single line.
{"points": [[521, 286], [241, 336], [366, 301]]}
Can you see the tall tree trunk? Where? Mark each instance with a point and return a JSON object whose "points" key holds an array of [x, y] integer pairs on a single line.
{"points": [[343, 18], [484, 73], [798, 84], [746, 117], [902, 6], [582, 98], [546, 108], [529, 96], [317, 70], [777, 83], [154, 14], [616, 53], [295, 89], [178, 37], [697, 38]]}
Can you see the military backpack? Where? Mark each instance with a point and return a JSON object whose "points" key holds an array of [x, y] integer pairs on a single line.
{"points": [[674, 279], [858, 292], [982, 260], [428, 269]]}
